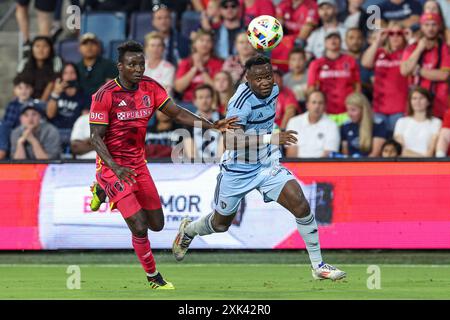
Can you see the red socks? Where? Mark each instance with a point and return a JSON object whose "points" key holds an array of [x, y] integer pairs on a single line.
{"points": [[144, 253]]}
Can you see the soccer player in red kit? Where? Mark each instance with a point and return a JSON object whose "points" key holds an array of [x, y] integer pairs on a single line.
{"points": [[118, 120]]}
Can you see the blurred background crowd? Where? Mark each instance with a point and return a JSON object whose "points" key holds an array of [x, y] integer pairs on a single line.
{"points": [[351, 84]]}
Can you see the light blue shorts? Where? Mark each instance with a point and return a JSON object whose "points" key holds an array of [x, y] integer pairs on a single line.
{"points": [[231, 188]]}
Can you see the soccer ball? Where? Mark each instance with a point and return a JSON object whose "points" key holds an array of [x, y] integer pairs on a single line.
{"points": [[264, 33]]}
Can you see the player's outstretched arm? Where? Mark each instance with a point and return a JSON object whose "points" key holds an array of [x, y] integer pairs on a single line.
{"points": [[185, 117], [98, 132], [238, 139]]}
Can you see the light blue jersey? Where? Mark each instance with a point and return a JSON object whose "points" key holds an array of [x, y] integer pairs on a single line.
{"points": [[245, 170], [257, 116]]}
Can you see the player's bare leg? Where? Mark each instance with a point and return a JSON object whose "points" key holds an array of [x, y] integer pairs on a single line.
{"points": [[293, 199], [139, 225], [211, 223], [155, 219]]}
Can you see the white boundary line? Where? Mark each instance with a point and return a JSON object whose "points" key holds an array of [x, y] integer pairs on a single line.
{"points": [[63, 265]]}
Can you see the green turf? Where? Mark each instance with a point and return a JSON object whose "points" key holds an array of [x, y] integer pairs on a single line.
{"points": [[264, 276]]}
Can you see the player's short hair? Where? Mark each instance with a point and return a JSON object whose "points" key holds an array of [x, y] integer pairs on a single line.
{"points": [[129, 46], [204, 87], [256, 60]]}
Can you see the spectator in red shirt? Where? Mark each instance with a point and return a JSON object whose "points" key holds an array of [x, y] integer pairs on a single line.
{"points": [[280, 55], [427, 63], [443, 144], [255, 8], [287, 106], [336, 74], [390, 90], [299, 17], [199, 68]]}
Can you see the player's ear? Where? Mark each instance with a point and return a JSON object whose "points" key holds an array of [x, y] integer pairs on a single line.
{"points": [[119, 66]]}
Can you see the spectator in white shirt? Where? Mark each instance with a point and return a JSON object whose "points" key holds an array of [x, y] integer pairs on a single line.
{"points": [[418, 132], [318, 135], [155, 67], [80, 143]]}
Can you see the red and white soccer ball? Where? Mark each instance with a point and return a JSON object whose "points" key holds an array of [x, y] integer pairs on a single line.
{"points": [[264, 33]]}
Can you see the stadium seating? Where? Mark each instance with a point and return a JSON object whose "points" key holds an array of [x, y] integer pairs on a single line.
{"points": [[190, 21], [113, 54], [68, 50], [140, 25], [106, 25]]}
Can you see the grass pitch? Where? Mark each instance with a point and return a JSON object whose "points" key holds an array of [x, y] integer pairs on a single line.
{"points": [[225, 275]]}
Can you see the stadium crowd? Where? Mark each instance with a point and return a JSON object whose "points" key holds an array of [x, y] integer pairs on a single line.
{"points": [[347, 88]]}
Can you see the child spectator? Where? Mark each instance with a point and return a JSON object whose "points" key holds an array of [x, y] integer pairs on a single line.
{"points": [[318, 135], [362, 135], [418, 132], [34, 139], [42, 67], [223, 91], [391, 149], [390, 89], [443, 144], [287, 105], [235, 64], [336, 75], [67, 100], [23, 90], [297, 79], [207, 144], [199, 68], [155, 67], [299, 18], [80, 142], [427, 63]]}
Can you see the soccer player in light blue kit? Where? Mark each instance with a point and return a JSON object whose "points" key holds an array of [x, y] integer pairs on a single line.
{"points": [[251, 161]]}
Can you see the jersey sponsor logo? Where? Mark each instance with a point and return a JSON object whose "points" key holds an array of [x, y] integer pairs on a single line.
{"points": [[122, 103], [388, 63], [146, 101], [134, 114], [96, 116], [326, 74], [119, 186]]}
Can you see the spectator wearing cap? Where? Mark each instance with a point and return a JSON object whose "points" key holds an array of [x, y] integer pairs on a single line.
{"points": [[67, 100], [176, 47], [199, 68], [406, 12], [93, 69], [34, 139], [23, 91], [299, 18], [328, 17], [255, 8], [227, 32], [287, 105], [336, 75], [235, 64], [427, 63], [390, 89], [442, 8], [42, 67], [155, 66], [319, 135], [443, 144]]}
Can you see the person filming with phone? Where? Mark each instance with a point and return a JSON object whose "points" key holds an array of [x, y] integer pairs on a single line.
{"points": [[67, 102]]}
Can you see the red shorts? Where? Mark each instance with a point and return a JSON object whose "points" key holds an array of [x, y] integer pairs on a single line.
{"points": [[129, 199]]}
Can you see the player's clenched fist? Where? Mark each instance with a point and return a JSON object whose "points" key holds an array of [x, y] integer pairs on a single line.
{"points": [[284, 138], [125, 174]]}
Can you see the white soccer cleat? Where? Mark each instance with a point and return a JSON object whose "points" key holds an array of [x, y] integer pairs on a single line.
{"points": [[182, 241], [327, 271]]}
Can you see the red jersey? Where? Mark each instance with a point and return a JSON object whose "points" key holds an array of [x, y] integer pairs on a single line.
{"points": [[258, 8], [430, 61], [126, 113], [285, 98], [213, 66], [295, 18], [390, 89], [446, 124], [336, 78], [280, 55]]}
